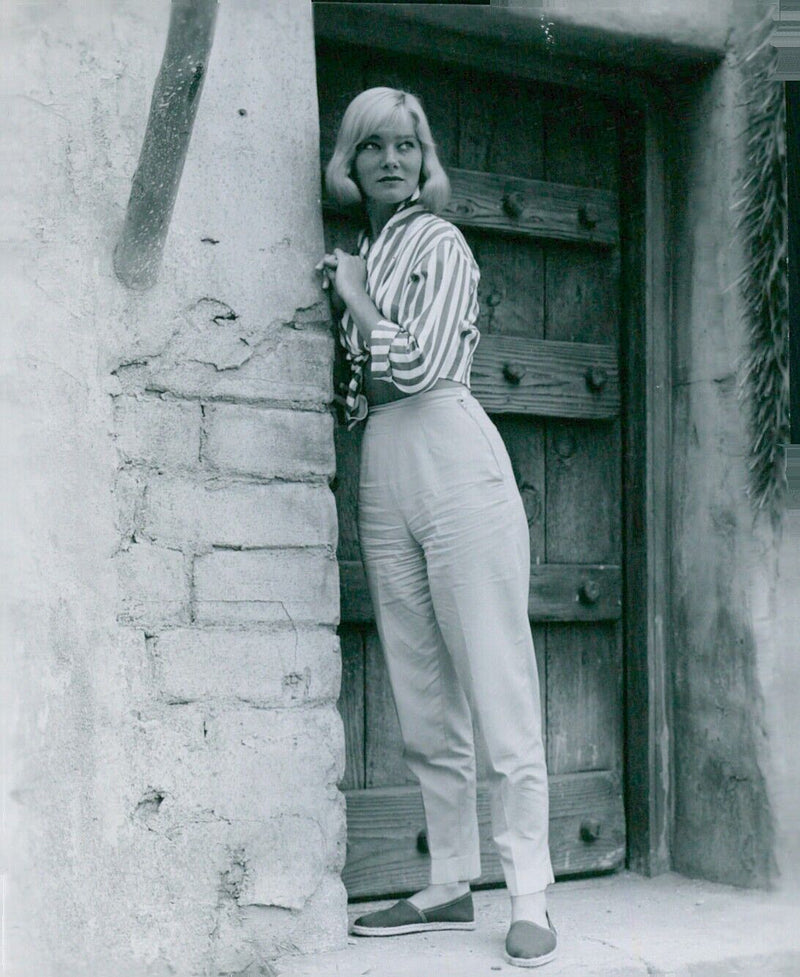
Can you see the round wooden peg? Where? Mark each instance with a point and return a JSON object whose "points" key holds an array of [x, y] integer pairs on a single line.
{"points": [[589, 592], [587, 217], [596, 378], [514, 372], [590, 829], [513, 204]]}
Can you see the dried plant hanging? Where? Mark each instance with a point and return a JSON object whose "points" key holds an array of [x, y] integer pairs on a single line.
{"points": [[764, 281]]}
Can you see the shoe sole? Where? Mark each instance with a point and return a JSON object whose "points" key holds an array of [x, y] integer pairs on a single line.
{"points": [[530, 961], [409, 928]]}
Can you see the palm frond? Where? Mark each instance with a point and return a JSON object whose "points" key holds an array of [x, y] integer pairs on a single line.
{"points": [[764, 281]]}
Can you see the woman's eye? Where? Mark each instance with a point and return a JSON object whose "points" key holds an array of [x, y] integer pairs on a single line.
{"points": [[369, 144]]}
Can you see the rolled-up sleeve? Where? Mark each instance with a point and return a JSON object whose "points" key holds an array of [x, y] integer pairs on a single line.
{"points": [[437, 303]]}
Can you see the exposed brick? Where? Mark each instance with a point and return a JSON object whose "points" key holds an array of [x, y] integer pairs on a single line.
{"points": [[243, 764], [156, 431], [263, 441], [267, 585], [294, 364], [179, 510], [276, 667], [128, 492], [153, 587]]}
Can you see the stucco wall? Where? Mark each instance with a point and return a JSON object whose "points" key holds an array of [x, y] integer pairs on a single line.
{"points": [[736, 758], [170, 663]]}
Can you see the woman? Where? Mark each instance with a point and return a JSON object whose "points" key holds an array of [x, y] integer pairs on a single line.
{"points": [[442, 527]]}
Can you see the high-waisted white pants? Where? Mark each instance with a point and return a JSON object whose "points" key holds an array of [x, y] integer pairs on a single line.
{"points": [[445, 544]]}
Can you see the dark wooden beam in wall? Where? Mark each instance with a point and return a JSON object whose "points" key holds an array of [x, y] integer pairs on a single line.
{"points": [[514, 39], [176, 95]]}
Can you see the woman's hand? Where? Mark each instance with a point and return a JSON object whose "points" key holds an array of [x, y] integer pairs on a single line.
{"points": [[350, 274], [347, 273], [345, 278], [327, 268]]}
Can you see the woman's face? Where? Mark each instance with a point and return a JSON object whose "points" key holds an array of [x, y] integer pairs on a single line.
{"points": [[388, 163]]}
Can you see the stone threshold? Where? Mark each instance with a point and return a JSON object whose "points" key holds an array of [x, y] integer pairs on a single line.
{"points": [[621, 925]]}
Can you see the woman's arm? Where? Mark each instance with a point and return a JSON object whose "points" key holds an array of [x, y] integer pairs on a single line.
{"points": [[437, 302]]}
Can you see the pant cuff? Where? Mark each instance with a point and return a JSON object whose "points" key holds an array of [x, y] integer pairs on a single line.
{"points": [[460, 869], [533, 880]]}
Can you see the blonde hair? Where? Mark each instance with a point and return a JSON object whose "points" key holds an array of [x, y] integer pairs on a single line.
{"points": [[368, 112]]}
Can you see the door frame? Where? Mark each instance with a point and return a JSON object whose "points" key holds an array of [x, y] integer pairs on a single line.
{"points": [[512, 43]]}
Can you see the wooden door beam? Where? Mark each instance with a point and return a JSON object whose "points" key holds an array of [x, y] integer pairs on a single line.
{"points": [[646, 394], [176, 95]]}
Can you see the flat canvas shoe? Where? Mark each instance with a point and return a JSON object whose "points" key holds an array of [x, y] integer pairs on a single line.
{"points": [[404, 917], [530, 945]]}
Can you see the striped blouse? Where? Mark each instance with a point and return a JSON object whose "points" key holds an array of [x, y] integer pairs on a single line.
{"points": [[423, 279]]}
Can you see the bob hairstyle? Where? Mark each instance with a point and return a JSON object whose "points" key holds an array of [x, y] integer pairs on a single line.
{"points": [[372, 110]]}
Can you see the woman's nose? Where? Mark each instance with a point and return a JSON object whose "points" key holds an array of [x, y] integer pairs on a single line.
{"points": [[389, 157]]}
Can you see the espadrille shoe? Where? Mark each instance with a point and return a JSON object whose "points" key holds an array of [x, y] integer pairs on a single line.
{"points": [[530, 945], [404, 917]]}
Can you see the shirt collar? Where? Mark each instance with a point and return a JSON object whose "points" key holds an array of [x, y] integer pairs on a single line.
{"points": [[409, 200], [401, 208]]}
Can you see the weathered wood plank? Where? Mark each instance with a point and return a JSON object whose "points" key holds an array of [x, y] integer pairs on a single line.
{"points": [[345, 490], [645, 345], [383, 742], [584, 707], [527, 208], [582, 505], [384, 824], [351, 706], [532, 208], [355, 600], [500, 130], [558, 593], [583, 483], [575, 593], [378, 27], [512, 375]]}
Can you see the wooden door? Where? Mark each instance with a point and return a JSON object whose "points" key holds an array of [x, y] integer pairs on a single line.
{"points": [[534, 171]]}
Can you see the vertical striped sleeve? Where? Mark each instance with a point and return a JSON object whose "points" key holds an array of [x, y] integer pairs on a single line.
{"points": [[437, 304]]}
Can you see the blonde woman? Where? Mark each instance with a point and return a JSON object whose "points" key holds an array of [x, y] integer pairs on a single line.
{"points": [[441, 525]]}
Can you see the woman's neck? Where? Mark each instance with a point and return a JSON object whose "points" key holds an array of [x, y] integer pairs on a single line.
{"points": [[378, 215]]}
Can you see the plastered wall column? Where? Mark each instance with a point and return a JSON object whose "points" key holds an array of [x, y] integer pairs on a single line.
{"points": [[172, 667]]}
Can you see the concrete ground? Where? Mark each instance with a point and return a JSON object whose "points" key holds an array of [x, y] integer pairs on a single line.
{"points": [[616, 926]]}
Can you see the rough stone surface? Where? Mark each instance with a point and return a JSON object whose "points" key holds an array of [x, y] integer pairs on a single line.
{"points": [[154, 585], [264, 667], [218, 512], [214, 355], [267, 585], [255, 441], [157, 432]]}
